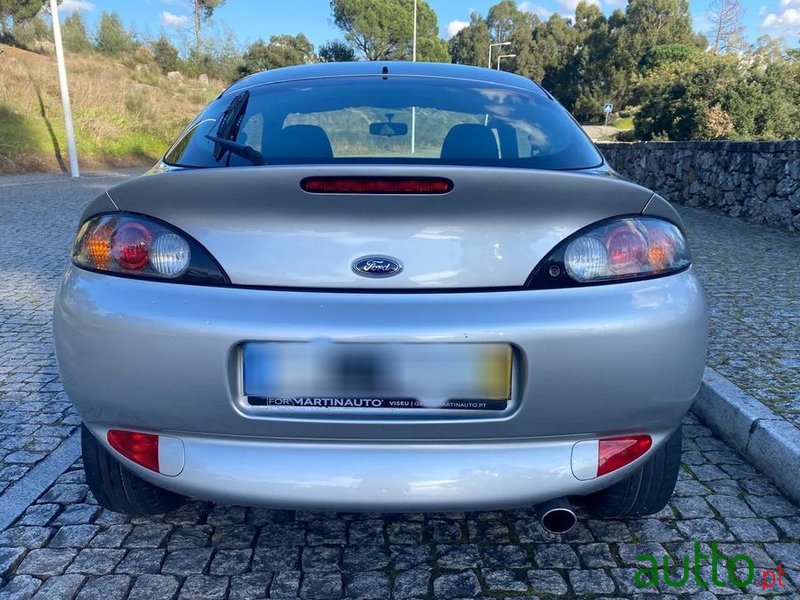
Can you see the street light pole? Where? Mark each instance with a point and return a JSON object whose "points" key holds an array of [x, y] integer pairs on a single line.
{"points": [[414, 44], [490, 50], [414, 108], [504, 56], [62, 81]]}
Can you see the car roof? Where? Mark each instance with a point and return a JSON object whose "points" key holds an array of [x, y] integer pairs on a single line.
{"points": [[363, 68]]}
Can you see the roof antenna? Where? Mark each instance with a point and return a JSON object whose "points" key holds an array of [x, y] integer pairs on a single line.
{"points": [[385, 72]]}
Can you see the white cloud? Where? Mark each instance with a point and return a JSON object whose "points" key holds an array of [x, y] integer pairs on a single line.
{"points": [[453, 27], [790, 2], [785, 22], [539, 11], [73, 5], [172, 20], [571, 5]]}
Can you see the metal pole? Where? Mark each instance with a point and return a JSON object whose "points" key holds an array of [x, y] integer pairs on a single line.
{"points": [[414, 44], [504, 56], [414, 108], [62, 81], [489, 64]]}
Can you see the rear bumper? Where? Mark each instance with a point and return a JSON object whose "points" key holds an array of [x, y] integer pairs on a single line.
{"points": [[377, 477], [589, 362], [599, 361]]}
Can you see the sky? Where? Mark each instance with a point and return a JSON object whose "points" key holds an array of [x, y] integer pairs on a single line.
{"points": [[254, 19]]}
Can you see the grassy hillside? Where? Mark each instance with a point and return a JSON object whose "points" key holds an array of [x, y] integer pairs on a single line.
{"points": [[123, 116]]}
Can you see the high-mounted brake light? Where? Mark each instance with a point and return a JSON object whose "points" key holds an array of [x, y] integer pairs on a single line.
{"points": [[377, 185]]}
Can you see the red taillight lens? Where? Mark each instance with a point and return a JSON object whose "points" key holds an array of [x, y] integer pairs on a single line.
{"points": [[627, 249], [377, 185], [141, 448], [615, 453], [130, 246]]}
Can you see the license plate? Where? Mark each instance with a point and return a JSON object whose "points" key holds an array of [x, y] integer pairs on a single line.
{"points": [[374, 376]]}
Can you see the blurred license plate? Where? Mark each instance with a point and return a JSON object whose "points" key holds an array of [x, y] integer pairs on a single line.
{"points": [[398, 376]]}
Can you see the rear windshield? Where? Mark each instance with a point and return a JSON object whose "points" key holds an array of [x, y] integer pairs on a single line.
{"points": [[395, 120]]}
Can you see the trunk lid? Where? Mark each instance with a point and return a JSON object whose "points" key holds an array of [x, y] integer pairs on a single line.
{"points": [[490, 231]]}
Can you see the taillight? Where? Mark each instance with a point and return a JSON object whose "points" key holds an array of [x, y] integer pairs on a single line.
{"points": [[130, 246], [627, 250], [616, 250], [139, 246], [376, 185], [615, 453], [141, 448]]}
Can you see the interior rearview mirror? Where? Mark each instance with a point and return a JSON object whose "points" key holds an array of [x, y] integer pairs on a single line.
{"points": [[388, 128]]}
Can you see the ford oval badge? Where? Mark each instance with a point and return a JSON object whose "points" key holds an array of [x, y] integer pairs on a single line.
{"points": [[377, 266]]}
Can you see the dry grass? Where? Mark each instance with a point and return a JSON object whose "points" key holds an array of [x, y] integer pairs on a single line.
{"points": [[122, 116]]}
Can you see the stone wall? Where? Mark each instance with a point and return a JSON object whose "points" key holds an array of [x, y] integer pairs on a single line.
{"points": [[756, 181]]}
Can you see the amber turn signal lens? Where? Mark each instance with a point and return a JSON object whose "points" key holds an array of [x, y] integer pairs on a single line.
{"points": [[661, 250], [97, 245]]}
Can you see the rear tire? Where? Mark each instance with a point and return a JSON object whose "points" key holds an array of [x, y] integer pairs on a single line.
{"points": [[646, 491], [117, 488]]}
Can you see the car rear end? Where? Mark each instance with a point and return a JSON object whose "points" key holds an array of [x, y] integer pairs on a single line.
{"points": [[399, 326]]}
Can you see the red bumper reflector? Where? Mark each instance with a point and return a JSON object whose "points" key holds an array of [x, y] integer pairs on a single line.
{"points": [[615, 453], [141, 448], [377, 185]]}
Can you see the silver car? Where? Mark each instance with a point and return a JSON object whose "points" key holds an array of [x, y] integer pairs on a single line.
{"points": [[382, 287]]}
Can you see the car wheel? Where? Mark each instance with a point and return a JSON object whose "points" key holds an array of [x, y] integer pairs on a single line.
{"points": [[646, 491], [117, 488]]}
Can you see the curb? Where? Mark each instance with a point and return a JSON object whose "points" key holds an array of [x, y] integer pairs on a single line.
{"points": [[24, 492], [767, 440]]}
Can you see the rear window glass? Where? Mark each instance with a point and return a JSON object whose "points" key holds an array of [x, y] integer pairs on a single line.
{"points": [[394, 120]]}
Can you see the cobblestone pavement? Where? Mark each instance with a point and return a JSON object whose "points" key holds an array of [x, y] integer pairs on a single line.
{"points": [[65, 546], [38, 219], [751, 276]]}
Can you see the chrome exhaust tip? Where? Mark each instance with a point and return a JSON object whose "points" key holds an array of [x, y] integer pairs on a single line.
{"points": [[556, 516]]}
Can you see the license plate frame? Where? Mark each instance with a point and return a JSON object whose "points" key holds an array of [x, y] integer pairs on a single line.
{"points": [[446, 376]]}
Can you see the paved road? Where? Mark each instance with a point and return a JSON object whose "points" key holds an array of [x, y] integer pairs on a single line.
{"points": [[751, 275], [64, 546]]}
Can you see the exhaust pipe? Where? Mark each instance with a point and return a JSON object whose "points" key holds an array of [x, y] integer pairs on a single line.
{"points": [[556, 516]]}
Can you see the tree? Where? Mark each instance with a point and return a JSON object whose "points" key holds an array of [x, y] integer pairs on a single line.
{"points": [[336, 51], [507, 23], [727, 32], [281, 51], [651, 23], [470, 46], [112, 37], [20, 10], [557, 42], [383, 29], [165, 54], [203, 10], [30, 32], [75, 33], [586, 77]]}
